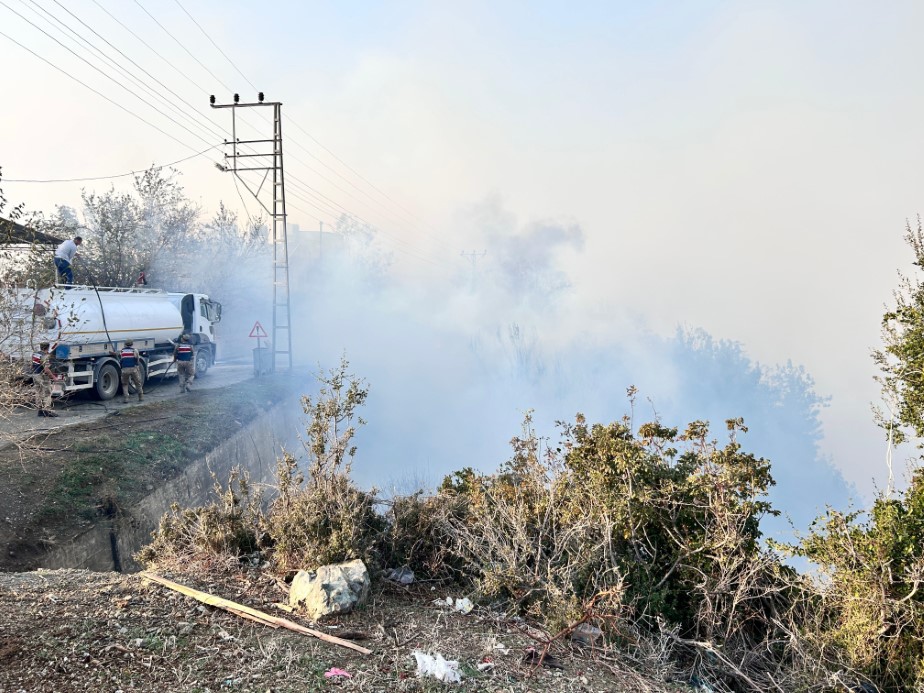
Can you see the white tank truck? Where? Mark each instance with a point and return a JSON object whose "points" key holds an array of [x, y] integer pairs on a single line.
{"points": [[84, 326]]}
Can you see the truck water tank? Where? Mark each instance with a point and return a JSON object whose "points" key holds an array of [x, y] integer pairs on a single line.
{"points": [[85, 316]]}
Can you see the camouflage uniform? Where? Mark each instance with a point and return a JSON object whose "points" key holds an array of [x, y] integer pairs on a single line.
{"points": [[41, 378], [41, 381], [185, 359], [131, 374]]}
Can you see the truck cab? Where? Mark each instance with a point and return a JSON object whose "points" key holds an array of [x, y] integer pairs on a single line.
{"points": [[200, 315]]}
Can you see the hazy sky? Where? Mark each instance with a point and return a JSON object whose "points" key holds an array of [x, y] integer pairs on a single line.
{"points": [[745, 168]]}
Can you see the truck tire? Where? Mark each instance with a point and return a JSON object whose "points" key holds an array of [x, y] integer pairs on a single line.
{"points": [[202, 362], [107, 381]]}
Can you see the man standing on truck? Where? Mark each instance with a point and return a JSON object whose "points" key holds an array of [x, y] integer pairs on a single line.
{"points": [[130, 360], [185, 362], [42, 375], [64, 256]]}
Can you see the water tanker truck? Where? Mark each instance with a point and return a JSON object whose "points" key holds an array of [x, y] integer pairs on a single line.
{"points": [[87, 326]]}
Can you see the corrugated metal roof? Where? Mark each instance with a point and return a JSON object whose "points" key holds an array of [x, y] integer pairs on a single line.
{"points": [[12, 233]]}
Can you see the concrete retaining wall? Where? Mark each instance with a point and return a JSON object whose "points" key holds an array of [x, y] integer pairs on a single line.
{"points": [[109, 545]]}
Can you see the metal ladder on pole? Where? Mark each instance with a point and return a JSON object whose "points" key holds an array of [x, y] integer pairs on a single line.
{"points": [[282, 313]]}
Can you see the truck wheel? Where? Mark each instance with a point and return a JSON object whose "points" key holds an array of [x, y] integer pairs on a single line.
{"points": [[143, 375], [107, 381], [202, 362]]}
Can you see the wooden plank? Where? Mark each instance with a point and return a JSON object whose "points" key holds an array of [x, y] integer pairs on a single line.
{"points": [[253, 618], [248, 612]]}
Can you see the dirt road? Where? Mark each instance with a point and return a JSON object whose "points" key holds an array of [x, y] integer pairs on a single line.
{"points": [[85, 407]]}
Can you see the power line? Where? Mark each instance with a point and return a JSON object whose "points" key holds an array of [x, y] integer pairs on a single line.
{"points": [[164, 86], [181, 45], [153, 50], [250, 217], [222, 83], [98, 93], [110, 62], [350, 168], [216, 45], [294, 141], [118, 175], [162, 58], [294, 178], [107, 76]]}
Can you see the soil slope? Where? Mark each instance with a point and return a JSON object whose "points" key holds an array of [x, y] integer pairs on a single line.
{"points": [[65, 479]]}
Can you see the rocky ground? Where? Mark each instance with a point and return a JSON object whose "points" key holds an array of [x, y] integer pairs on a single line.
{"points": [[72, 630]]}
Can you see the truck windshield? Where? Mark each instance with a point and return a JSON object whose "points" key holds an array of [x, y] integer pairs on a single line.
{"points": [[210, 310]]}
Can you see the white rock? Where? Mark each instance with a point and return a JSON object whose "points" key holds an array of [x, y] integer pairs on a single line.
{"points": [[586, 633], [331, 589]]}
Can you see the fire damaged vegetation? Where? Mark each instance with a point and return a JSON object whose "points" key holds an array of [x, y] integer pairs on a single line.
{"points": [[645, 541]]}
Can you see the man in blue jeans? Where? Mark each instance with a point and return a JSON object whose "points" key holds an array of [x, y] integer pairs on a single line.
{"points": [[64, 255]]}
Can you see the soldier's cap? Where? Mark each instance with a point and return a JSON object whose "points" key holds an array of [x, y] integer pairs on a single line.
{"points": [[44, 345], [129, 342], [184, 337]]}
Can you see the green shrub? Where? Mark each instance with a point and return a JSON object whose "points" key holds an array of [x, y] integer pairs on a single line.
{"points": [[232, 525], [873, 587], [324, 519], [417, 534]]}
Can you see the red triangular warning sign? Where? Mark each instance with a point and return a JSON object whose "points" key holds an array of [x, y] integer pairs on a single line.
{"points": [[258, 331]]}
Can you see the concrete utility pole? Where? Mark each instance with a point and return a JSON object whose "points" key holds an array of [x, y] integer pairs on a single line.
{"points": [[473, 256], [282, 315]]}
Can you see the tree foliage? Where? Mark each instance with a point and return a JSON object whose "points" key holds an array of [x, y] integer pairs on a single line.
{"points": [[18, 265], [901, 358], [157, 230], [320, 515], [873, 567], [872, 563]]}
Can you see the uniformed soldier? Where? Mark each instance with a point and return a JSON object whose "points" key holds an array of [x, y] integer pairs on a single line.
{"points": [[185, 362], [130, 361], [42, 375]]}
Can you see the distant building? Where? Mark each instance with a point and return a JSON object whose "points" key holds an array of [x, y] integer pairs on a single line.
{"points": [[14, 235], [314, 244], [18, 243]]}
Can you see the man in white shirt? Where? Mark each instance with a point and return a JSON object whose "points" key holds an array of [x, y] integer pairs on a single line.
{"points": [[64, 255]]}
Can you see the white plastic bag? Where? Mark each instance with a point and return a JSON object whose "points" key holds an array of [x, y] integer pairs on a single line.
{"points": [[437, 667]]}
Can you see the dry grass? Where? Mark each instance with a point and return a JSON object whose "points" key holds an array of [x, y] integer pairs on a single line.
{"points": [[81, 631]]}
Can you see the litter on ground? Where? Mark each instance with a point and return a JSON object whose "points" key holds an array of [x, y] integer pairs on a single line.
{"points": [[335, 673], [437, 667]]}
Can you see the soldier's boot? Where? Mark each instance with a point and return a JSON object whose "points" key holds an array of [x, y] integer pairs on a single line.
{"points": [[125, 400], [140, 396]]}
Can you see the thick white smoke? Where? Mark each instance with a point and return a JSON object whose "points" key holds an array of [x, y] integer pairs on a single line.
{"points": [[454, 362]]}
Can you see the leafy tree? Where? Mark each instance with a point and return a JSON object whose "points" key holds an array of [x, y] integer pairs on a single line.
{"points": [[169, 218], [872, 563], [126, 233], [364, 250], [901, 359], [17, 325]]}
